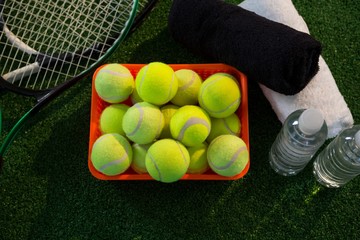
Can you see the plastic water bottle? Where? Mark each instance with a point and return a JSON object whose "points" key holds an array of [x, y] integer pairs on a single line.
{"points": [[302, 134], [339, 162]]}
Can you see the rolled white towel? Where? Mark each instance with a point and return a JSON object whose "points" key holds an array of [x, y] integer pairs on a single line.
{"points": [[322, 92]]}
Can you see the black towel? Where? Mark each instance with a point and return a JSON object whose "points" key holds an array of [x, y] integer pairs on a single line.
{"points": [[271, 53]]}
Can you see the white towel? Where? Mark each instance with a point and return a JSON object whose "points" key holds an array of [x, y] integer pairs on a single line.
{"points": [[322, 92]]}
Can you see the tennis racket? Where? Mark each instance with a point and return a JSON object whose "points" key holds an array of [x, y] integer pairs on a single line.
{"points": [[46, 46], [143, 10]]}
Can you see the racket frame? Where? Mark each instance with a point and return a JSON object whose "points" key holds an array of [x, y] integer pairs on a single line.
{"points": [[43, 97]]}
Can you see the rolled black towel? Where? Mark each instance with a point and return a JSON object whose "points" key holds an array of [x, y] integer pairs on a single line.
{"points": [[279, 57]]}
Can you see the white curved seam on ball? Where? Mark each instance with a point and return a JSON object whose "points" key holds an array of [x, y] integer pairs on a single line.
{"points": [[191, 122], [120, 74], [212, 111], [156, 166], [116, 97], [228, 127], [97, 141], [232, 160], [139, 122], [115, 162], [171, 84], [188, 84], [225, 109], [128, 148], [142, 80], [182, 153]]}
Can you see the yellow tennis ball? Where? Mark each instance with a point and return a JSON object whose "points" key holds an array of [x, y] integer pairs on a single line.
{"points": [[221, 126], [139, 155], [143, 122], [228, 155], [189, 86], [168, 111], [156, 83], [111, 118], [198, 159], [190, 125], [114, 83], [111, 154], [135, 98], [220, 95], [167, 160]]}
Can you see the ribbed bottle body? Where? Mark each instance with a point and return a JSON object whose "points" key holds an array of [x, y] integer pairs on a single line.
{"points": [[339, 162], [293, 149]]}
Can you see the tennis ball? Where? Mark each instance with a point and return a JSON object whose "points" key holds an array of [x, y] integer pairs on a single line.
{"points": [[143, 122], [156, 83], [228, 155], [167, 160], [220, 95], [114, 83], [139, 154], [168, 111], [111, 154], [221, 126], [189, 86], [198, 159], [111, 118], [190, 125], [135, 98]]}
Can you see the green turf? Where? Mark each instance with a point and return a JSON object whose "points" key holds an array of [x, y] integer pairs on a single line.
{"points": [[47, 192]]}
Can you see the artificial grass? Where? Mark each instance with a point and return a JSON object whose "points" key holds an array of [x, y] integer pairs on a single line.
{"points": [[47, 191]]}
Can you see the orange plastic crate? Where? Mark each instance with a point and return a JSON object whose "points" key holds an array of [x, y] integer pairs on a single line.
{"points": [[204, 70]]}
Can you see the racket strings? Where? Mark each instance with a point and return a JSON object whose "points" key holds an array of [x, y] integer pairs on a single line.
{"points": [[101, 12], [69, 34], [42, 24]]}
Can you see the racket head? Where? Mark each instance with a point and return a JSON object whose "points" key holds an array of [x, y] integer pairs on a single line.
{"points": [[46, 43]]}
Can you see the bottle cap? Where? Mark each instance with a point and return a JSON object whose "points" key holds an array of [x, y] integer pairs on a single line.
{"points": [[357, 138], [310, 121]]}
